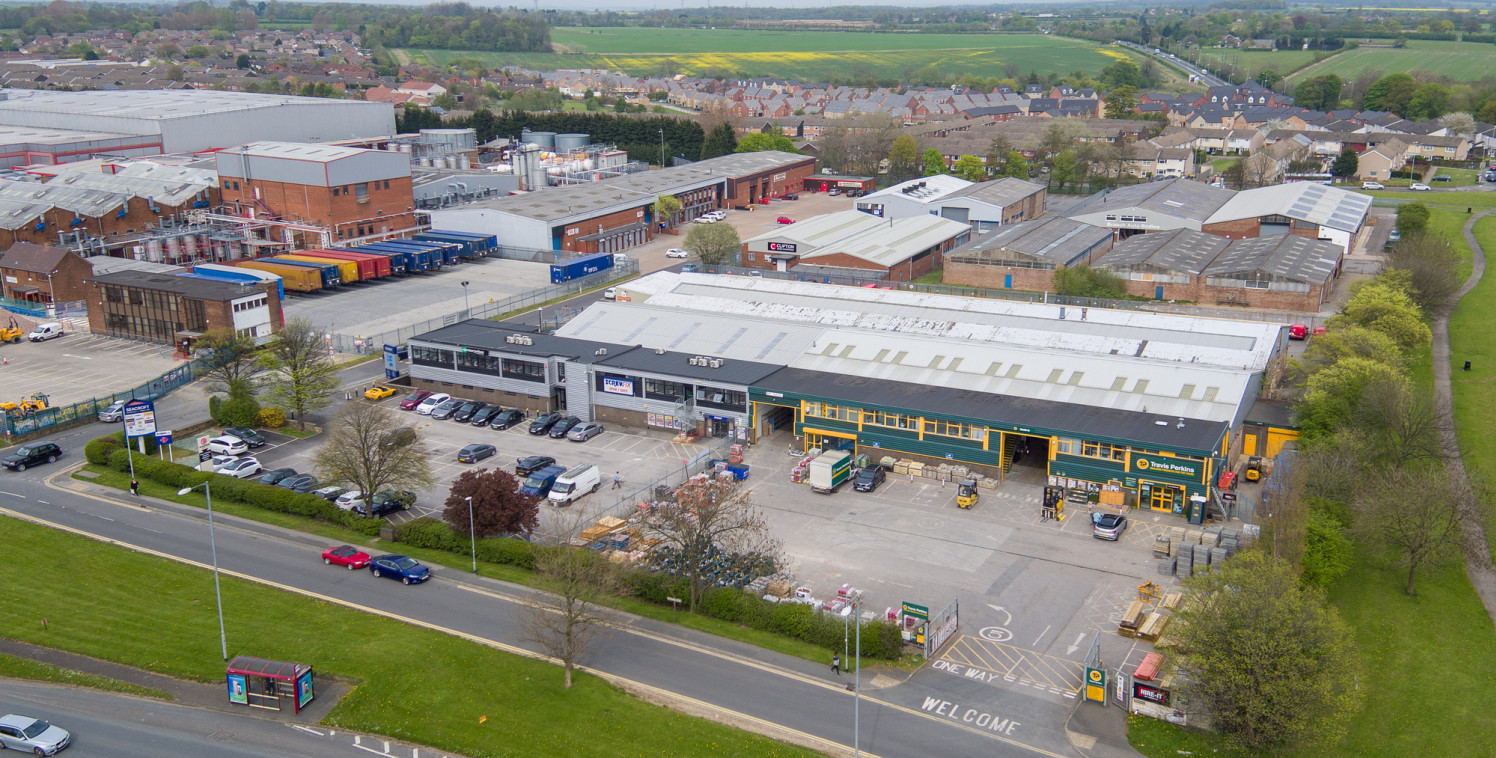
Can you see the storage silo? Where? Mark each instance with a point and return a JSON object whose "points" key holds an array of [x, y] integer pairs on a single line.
{"points": [[464, 162], [153, 250], [173, 249], [546, 140], [570, 143]]}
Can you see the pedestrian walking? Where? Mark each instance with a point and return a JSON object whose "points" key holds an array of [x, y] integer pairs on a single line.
{"points": [[134, 487], [836, 664], [617, 480]]}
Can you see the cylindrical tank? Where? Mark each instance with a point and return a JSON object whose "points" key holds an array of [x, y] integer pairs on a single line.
{"points": [[173, 249], [546, 140], [405, 147], [153, 250], [426, 162], [566, 143], [464, 162], [524, 135], [589, 164], [451, 161]]}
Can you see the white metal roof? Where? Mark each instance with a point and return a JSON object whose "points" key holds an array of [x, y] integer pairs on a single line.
{"points": [[892, 241], [701, 332], [818, 231], [304, 151], [15, 214], [923, 190], [82, 201], [151, 105], [1302, 201]]}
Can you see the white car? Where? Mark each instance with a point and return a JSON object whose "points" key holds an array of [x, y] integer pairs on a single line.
{"points": [[706, 219], [241, 468], [1419, 187], [1372, 185], [349, 500], [31, 735], [610, 293], [429, 404], [227, 445], [676, 252], [719, 215]]}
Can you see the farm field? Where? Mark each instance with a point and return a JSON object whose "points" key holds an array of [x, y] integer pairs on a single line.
{"points": [[1461, 61], [1282, 61], [803, 55]]}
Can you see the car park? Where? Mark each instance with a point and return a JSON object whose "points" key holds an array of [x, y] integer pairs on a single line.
{"points": [[559, 430], [345, 555], [1108, 526], [785, 220], [401, 567], [401, 437], [329, 493], [250, 436], [531, 464], [506, 418], [483, 415], [414, 399], [465, 413], [275, 477], [1419, 187], [384, 503], [227, 445], [430, 402], [32, 454], [379, 392], [114, 413], [241, 468], [348, 500], [676, 252], [475, 453], [869, 477], [447, 408], [544, 422], [584, 431], [1373, 186], [31, 735], [299, 483]]}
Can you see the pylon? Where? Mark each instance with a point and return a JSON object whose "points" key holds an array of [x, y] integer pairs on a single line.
{"points": [[4, 361]]}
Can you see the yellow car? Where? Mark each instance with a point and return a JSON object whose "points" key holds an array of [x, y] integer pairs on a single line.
{"points": [[379, 392]]}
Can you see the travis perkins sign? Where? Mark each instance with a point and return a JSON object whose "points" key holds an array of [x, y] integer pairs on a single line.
{"points": [[1153, 465]]}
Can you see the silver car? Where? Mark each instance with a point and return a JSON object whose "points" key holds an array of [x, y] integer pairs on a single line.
{"points": [[114, 413], [32, 735]]}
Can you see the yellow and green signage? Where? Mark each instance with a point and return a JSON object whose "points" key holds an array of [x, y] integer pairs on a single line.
{"points": [[1159, 465]]}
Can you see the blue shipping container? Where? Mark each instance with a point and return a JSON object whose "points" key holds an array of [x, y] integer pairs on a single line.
{"points": [[236, 274], [577, 268]]}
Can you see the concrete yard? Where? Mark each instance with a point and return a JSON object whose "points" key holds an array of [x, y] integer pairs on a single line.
{"points": [[80, 366]]}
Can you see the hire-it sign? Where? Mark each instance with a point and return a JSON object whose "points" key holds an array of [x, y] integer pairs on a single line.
{"points": [[1158, 465]]}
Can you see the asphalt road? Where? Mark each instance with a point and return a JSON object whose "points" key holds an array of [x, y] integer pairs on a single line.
{"points": [[111, 725], [1209, 80]]}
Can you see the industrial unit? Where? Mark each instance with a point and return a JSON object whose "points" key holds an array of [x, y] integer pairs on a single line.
{"points": [[984, 205], [177, 309], [858, 246], [1025, 255]]}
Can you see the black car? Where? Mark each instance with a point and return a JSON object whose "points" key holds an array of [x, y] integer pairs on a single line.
{"points": [[506, 419], [251, 437], [527, 466], [483, 415], [275, 477], [869, 478], [791, 196], [299, 483], [32, 453], [544, 422], [475, 453], [559, 430], [386, 503], [464, 414]]}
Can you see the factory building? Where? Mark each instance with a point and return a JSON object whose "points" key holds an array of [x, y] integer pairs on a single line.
{"points": [[353, 192], [1025, 255], [984, 205]]}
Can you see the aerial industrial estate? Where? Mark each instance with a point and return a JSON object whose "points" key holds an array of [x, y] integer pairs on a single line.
{"points": [[1013, 387]]}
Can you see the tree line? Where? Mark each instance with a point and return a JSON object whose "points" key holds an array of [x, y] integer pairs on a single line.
{"points": [[639, 137]]}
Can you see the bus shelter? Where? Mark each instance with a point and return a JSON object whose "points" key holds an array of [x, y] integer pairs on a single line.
{"points": [[273, 685]]}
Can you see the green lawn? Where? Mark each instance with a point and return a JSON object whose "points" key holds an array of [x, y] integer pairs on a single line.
{"points": [[412, 683], [1472, 337], [1219, 61], [1219, 165], [1458, 200], [25, 668], [813, 56], [1460, 61], [1462, 177]]}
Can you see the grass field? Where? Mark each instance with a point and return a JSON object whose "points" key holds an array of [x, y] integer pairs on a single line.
{"points": [[812, 56], [1472, 337], [1461, 61], [25, 668], [1282, 61], [411, 683]]}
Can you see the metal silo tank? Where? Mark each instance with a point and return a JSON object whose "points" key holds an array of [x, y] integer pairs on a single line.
{"points": [[153, 250], [546, 140], [568, 143]]}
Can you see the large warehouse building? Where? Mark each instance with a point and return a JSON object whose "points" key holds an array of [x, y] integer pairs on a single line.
{"points": [[1145, 402]]}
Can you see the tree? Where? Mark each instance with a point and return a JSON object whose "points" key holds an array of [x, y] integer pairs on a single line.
{"points": [[1384, 304], [1458, 123], [232, 359], [721, 140], [242, 61], [564, 621], [970, 168], [1122, 102], [712, 520], [1397, 426], [1413, 513], [359, 451], [1412, 217], [1432, 266], [714, 244], [1084, 281], [498, 509], [1327, 551], [1266, 657], [485, 125], [1390, 93], [759, 142], [240, 409], [1065, 168], [1430, 101], [300, 374], [1347, 341], [903, 158], [1259, 169], [1235, 176], [1346, 165], [997, 156], [665, 208], [1332, 395], [1017, 165], [1063, 134], [1321, 93], [934, 162], [1269, 78]]}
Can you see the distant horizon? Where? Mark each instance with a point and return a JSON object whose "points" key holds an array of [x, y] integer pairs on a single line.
{"points": [[654, 5]]}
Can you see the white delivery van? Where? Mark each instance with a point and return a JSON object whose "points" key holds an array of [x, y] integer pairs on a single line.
{"points": [[575, 483], [45, 331]]}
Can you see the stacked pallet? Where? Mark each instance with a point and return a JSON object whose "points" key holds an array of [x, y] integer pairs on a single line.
{"points": [[1161, 547], [1154, 625], [1132, 619], [1171, 601], [1167, 565]]}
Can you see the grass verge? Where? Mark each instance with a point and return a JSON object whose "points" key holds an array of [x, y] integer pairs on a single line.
{"points": [[25, 668], [1472, 337], [415, 684], [563, 298]]}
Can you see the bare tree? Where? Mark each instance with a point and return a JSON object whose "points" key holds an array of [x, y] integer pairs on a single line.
{"points": [[1334, 468], [1287, 514], [565, 621], [300, 373], [365, 449], [1412, 513], [233, 360], [1397, 425], [712, 520], [1433, 266]]}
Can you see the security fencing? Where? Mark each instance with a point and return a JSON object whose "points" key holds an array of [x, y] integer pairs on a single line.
{"points": [[17, 424]]}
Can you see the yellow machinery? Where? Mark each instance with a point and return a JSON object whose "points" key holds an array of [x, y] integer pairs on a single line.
{"points": [[1254, 469], [11, 332], [34, 402], [966, 493]]}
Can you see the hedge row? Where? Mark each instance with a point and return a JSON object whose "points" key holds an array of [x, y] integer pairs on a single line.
{"points": [[110, 451], [434, 533]]}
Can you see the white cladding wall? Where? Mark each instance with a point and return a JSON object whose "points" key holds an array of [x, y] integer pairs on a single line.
{"points": [[513, 230]]}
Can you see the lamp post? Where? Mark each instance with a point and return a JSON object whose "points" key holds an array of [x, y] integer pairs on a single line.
{"points": [[223, 639], [662, 148], [472, 536], [857, 681], [464, 296]]}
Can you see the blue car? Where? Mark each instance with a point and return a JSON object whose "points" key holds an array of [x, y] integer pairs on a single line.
{"points": [[401, 567]]}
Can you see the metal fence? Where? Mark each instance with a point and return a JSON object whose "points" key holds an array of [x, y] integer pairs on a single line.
{"points": [[16, 425], [76, 310]]}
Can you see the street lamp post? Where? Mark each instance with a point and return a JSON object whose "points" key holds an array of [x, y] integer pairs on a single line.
{"points": [[223, 639], [472, 536], [662, 148], [465, 297], [857, 681]]}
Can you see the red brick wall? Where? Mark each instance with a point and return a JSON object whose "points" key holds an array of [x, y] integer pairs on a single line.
{"points": [[1247, 298], [318, 205], [1240, 229], [569, 238], [64, 286], [994, 277], [1031, 207], [1172, 291], [753, 187]]}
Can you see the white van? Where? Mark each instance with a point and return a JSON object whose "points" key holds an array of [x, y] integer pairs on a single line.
{"points": [[575, 483], [45, 331]]}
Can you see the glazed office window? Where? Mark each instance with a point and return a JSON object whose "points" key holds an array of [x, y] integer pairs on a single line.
{"points": [[430, 356], [361, 192], [717, 397], [528, 371], [478, 363], [659, 389], [1103, 450], [1068, 446]]}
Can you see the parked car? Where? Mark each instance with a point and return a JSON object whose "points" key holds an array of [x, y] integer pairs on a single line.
{"points": [[483, 415], [345, 555], [430, 402], [1394, 235], [401, 567], [791, 196], [531, 464], [1373, 186], [1444, 178], [689, 267], [241, 468], [44, 332], [475, 453], [275, 477], [299, 483], [250, 436], [507, 418], [869, 478], [32, 454], [384, 503], [1108, 526], [329, 493], [610, 293], [544, 422], [413, 399], [379, 392], [1419, 187], [32, 735], [349, 500], [465, 413], [114, 413], [834, 192], [563, 426], [401, 437], [706, 219], [720, 215], [447, 408], [227, 445], [584, 431], [676, 252], [785, 220]]}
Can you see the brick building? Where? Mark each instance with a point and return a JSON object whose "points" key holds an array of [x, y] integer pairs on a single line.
{"points": [[77, 204], [1025, 255], [1286, 271], [43, 273], [165, 308], [857, 245], [353, 192], [984, 205]]}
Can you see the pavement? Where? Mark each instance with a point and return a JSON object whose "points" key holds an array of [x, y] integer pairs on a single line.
{"points": [[80, 366]]}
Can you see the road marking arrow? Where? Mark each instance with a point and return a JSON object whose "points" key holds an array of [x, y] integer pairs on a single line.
{"points": [[1004, 612], [1079, 638]]}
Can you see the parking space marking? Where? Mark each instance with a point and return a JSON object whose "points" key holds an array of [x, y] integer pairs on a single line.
{"points": [[1016, 665]]}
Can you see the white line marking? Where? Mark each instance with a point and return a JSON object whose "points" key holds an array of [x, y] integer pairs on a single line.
{"points": [[12, 494], [308, 729], [1041, 635], [43, 502]]}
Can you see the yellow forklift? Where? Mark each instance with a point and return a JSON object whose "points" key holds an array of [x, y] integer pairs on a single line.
{"points": [[11, 332], [966, 493], [28, 405]]}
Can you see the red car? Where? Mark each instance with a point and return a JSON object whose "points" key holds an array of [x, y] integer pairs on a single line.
{"points": [[413, 399], [345, 555], [786, 220]]}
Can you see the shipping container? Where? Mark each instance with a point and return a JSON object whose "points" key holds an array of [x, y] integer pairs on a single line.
{"points": [[400, 263], [332, 276], [485, 242], [295, 278], [348, 272], [450, 252], [577, 268], [369, 266], [473, 245], [236, 274], [422, 260]]}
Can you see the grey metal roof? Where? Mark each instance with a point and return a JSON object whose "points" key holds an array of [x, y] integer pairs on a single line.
{"points": [[1303, 201], [1053, 238], [1003, 192], [732, 336], [670, 363], [1176, 197], [893, 241], [197, 289], [1286, 256], [1183, 250], [494, 335], [108, 264]]}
